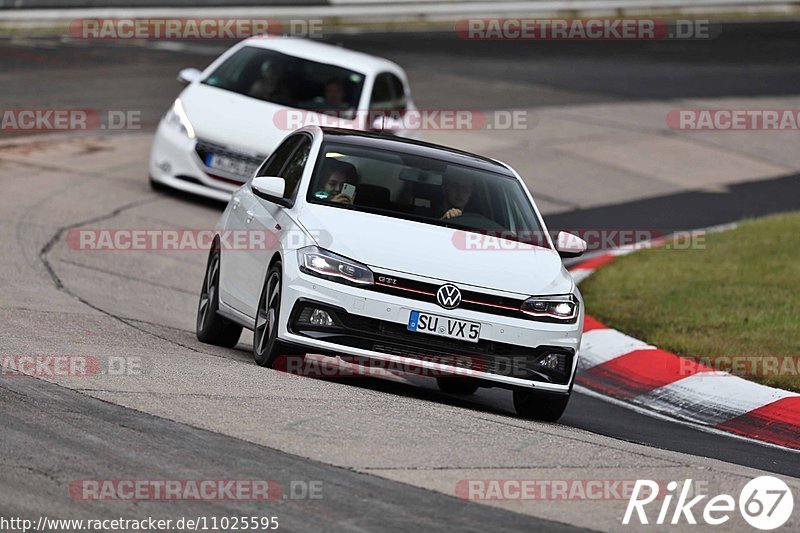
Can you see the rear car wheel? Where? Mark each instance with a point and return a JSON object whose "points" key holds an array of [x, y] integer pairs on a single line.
{"points": [[211, 327], [536, 405], [454, 385]]}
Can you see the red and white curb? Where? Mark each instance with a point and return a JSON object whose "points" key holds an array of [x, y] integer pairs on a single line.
{"points": [[628, 370]]}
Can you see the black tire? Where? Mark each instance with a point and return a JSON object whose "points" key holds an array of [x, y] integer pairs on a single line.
{"points": [[456, 385], [266, 346], [539, 405], [211, 327]]}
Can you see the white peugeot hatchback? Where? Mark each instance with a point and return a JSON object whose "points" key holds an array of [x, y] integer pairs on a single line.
{"points": [[231, 116], [399, 251]]}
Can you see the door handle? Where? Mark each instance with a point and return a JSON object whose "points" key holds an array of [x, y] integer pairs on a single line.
{"points": [[250, 216]]}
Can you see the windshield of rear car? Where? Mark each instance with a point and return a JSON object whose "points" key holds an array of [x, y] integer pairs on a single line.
{"points": [[290, 81], [426, 190]]}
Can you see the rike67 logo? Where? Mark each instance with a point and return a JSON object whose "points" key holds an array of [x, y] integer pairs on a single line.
{"points": [[765, 503]]}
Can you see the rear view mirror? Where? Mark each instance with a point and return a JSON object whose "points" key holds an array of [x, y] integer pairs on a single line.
{"points": [[569, 245], [188, 75]]}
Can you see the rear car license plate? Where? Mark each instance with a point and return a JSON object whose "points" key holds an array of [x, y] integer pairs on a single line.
{"points": [[233, 166]]}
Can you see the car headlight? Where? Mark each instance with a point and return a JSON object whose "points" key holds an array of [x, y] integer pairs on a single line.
{"points": [[177, 117], [561, 307], [319, 262]]}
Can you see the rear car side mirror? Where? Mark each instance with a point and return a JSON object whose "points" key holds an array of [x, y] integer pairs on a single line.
{"points": [[569, 245], [386, 124], [270, 188], [188, 75]]}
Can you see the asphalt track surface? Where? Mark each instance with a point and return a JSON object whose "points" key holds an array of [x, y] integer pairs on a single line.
{"points": [[51, 434], [162, 448]]}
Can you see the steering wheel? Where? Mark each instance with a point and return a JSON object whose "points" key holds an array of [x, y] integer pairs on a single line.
{"points": [[476, 221]]}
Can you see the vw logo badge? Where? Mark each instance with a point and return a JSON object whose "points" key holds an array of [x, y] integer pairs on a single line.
{"points": [[448, 296]]}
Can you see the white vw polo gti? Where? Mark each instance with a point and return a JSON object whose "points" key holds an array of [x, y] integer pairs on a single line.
{"points": [[398, 251]]}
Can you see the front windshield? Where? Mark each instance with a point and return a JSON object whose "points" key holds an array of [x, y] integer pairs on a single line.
{"points": [[423, 189], [289, 81]]}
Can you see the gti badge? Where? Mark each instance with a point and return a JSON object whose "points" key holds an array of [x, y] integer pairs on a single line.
{"points": [[448, 296]]}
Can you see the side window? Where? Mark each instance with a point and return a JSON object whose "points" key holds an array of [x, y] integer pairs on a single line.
{"points": [[388, 93], [279, 157], [381, 92], [398, 91], [295, 166]]}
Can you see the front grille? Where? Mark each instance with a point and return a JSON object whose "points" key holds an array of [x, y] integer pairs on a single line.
{"points": [[207, 148], [472, 300], [394, 339], [204, 148], [443, 345], [482, 363]]}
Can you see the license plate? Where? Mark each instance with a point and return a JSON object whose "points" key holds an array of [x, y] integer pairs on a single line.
{"points": [[442, 326], [233, 166]]}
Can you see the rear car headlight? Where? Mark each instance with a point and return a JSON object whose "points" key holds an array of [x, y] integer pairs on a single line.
{"points": [[177, 117], [562, 307], [321, 263]]}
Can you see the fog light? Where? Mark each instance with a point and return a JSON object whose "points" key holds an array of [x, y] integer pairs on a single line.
{"points": [[320, 318], [550, 361]]}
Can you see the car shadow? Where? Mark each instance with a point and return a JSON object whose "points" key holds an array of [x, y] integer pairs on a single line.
{"points": [[410, 385], [190, 197]]}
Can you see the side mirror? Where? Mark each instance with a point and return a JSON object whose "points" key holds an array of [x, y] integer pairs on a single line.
{"points": [[188, 75], [386, 124], [569, 245], [270, 188]]}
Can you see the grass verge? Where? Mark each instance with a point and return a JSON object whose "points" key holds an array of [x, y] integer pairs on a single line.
{"points": [[732, 301]]}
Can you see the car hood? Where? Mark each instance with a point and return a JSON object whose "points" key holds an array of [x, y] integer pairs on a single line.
{"points": [[253, 126], [386, 243]]}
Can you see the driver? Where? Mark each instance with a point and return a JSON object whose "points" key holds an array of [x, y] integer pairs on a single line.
{"points": [[270, 85], [335, 94], [456, 192]]}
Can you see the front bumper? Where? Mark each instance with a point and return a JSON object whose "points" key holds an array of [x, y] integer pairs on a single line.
{"points": [[373, 325], [174, 162]]}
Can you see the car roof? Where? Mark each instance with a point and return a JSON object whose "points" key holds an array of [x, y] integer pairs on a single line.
{"points": [[413, 147], [325, 53]]}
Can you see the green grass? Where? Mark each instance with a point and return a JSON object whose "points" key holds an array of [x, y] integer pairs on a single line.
{"points": [[736, 295]]}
